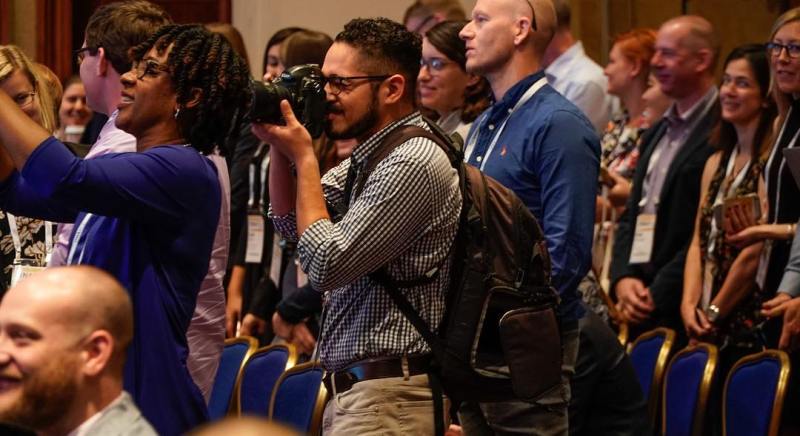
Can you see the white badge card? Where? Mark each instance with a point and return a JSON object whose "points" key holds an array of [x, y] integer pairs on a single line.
{"points": [[643, 238], [23, 268], [255, 238], [763, 264], [275, 262]]}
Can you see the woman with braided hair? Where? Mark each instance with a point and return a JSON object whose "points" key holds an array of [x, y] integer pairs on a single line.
{"points": [[148, 217]]}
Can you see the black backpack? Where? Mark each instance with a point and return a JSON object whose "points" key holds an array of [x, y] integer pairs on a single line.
{"points": [[499, 339]]}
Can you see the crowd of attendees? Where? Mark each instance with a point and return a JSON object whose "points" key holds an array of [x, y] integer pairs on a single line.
{"points": [[663, 193]]}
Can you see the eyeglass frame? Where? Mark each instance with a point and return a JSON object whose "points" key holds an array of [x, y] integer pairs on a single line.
{"points": [[337, 89], [431, 64], [80, 56], [151, 66], [771, 46], [533, 16], [29, 96]]}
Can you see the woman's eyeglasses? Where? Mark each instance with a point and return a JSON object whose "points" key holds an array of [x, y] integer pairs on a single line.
{"points": [[148, 68], [775, 49], [23, 100], [434, 64]]}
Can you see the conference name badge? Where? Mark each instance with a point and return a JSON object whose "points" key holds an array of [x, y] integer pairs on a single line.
{"points": [[643, 238], [24, 268]]}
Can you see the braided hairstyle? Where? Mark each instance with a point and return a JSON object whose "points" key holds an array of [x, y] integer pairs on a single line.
{"points": [[203, 60]]}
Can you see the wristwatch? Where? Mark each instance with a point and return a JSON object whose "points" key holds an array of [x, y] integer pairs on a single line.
{"points": [[712, 313]]}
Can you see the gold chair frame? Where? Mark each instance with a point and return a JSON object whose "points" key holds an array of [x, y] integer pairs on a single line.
{"points": [[252, 345], [290, 362], [319, 404], [705, 386], [660, 367], [780, 389]]}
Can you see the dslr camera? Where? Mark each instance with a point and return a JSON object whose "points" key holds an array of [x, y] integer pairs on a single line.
{"points": [[303, 86]]}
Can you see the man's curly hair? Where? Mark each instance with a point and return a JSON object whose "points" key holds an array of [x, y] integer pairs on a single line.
{"points": [[386, 48], [206, 61]]}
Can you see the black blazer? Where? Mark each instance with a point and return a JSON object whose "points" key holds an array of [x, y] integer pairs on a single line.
{"points": [[675, 220]]}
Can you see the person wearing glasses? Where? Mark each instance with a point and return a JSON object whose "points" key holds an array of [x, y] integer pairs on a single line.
{"points": [[111, 31], [25, 243], [403, 219], [782, 193], [148, 217], [445, 87]]}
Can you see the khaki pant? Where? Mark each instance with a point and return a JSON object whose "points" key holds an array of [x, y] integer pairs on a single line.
{"points": [[389, 406]]}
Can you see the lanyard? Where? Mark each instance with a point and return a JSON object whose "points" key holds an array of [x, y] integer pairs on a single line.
{"points": [[252, 201], [474, 138], [73, 246], [48, 238], [782, 164]]}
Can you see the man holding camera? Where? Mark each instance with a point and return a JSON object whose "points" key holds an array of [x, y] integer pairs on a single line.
{"points": [[404, 220]]}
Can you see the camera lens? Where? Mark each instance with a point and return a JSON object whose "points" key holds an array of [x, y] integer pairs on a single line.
{"points": [[265, 106]]}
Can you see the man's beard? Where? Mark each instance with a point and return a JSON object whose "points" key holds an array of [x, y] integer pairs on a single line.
{"points": [[360, 126], [46, 396]]}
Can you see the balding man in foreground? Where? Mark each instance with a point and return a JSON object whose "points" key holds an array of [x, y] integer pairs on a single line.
{"points": [[535, 142], [63, 335], [655, 230]]}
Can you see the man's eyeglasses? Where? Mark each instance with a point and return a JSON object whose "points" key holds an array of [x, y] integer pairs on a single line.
{"points": [[148, 68], [533, 15], [24, 99], [775, 49], [435, 64], [337, 84], [80, 53]]}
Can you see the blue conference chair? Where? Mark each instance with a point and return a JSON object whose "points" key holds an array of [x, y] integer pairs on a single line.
{"points": [[234, 356], [259, 375], [686, 389], [298, 399], [649, 355], [754, 393]]}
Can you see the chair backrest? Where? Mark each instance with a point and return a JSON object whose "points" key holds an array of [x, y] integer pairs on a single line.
{"points": [[686, 389], [298, 399], [754, 393], [234, 356], [259, 375], [649, 355]]}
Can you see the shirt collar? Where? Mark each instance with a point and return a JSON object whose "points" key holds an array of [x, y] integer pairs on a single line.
{"points": [[363, 150], [85, 428], [694, 112], [512, 96]]}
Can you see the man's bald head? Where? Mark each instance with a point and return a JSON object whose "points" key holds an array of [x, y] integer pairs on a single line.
{"points": [[85, 298], [696, 34]]}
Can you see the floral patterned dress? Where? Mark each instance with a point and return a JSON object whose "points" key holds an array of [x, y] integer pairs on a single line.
{"points": [[32, 239], [620, 145], [738, 327]]}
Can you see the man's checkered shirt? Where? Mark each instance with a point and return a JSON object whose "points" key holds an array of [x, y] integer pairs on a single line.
{"points": [[406, 216]]}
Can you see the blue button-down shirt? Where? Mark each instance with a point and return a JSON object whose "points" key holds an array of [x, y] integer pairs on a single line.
{"points": [[548, 154]]}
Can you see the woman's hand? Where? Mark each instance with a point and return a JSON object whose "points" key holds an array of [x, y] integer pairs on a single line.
{"points": [[252, 325], [292, 140], [760, 232], [695, 321]]}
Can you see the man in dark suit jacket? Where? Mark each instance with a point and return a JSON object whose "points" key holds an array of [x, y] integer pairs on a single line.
{"points": [[656, 228]]}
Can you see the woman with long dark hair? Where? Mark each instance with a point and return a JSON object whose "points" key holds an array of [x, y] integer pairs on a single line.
{"points": [[720, 300], [149, 217]]}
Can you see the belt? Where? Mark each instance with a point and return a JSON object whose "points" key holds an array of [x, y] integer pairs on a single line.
{"points": [[375, 369]]}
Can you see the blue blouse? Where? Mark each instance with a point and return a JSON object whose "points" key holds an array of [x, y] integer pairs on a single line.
{"points": [[148, 219]]}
